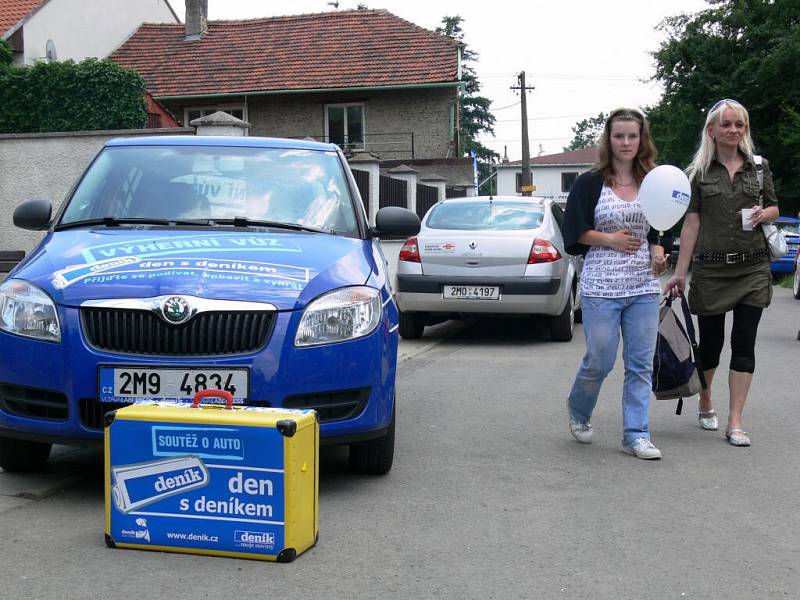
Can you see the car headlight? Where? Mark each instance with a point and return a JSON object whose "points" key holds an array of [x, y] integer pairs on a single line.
{"points": [[345, 314], [27, 310]]}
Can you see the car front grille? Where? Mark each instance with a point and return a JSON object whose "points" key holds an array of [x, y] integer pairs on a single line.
{"points": [[33, 402], [331, 406], [93, 412], [130, 331]]}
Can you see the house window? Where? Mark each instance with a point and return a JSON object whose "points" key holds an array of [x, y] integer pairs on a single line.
{"points": [[195, 112], [567, 179], [344, 125]]}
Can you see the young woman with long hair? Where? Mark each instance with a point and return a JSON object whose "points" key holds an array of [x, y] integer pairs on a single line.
{"points": [[619, 284], [731, 264]]}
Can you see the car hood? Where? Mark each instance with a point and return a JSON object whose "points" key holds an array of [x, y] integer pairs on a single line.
{"points": [[285, 269]]}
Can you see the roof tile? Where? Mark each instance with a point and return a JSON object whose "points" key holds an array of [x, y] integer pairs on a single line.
{"points": [[13, 11], [355, 48]]}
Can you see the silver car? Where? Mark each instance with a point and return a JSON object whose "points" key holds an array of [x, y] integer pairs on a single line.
{"points": [[488, 255]]}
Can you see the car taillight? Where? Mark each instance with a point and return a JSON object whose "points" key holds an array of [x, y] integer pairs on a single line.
{"points": [[542, 251], [410, 251]]}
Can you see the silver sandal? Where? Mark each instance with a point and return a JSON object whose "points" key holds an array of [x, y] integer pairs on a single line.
{"points": [[708, 420], [737, 437]]}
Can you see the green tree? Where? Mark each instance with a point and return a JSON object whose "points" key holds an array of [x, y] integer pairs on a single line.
{"points": [[474, 111], [587, 133], [6, 57], [742, 49]]}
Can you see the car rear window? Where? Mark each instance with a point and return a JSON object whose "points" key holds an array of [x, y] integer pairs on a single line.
{"points": [[300, 187], [485, 215]]}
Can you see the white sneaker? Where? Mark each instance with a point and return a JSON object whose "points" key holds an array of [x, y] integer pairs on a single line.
{"points": [[643, 448], [581, 431]]}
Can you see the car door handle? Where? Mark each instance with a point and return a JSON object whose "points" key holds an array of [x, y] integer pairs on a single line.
{"points": [[472, 263]]}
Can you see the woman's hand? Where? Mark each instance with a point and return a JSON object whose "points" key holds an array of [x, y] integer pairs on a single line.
{"points": [[659, 264], [676, 285], [624, 241]]}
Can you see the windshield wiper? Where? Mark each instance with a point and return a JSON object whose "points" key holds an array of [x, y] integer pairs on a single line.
{"points": [[245, 222], [116, 221]]}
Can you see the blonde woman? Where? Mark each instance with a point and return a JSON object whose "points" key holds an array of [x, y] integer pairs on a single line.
{"points": [[731, 270]]}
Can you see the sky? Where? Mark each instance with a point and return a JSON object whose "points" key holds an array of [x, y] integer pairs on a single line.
{"points": [[583, 57]]}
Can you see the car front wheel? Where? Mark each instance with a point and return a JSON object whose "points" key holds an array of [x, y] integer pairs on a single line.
{"points": [[374, 457], [412, 326], [23, 456], [562, 325]]}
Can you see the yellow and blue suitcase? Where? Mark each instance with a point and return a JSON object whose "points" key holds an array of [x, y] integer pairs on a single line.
{"points": [[212, 479]]}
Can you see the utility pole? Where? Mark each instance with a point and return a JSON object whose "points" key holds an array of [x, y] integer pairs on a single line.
{"points": [[526, 151]]}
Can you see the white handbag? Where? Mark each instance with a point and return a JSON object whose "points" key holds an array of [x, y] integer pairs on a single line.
{"points": [[776, 241]]}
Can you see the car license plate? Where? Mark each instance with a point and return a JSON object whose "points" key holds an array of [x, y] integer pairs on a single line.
{"points": [[129, 384], [471, 292]]}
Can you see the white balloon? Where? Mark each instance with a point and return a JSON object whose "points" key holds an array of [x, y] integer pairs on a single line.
{"points": [[664, 194]]}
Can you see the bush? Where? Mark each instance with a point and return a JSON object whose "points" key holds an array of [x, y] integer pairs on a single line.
{"points": [[6, 56], [68, 96]]}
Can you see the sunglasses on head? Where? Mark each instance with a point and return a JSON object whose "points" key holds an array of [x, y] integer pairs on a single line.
{"points": [[721, 102]]}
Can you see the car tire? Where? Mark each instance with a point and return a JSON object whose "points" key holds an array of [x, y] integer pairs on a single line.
{"points": [[562, 325], [23, 456], [412, 326], [374, 457], [796, 283]]}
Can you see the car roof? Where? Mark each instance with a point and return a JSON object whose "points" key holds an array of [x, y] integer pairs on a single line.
{"points": [[219, 140]]}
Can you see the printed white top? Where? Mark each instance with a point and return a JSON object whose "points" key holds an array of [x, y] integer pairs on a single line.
{"points": [[608, 273]]}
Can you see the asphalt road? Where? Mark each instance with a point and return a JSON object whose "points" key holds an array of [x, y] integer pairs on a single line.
{"points": [[489, 497]]}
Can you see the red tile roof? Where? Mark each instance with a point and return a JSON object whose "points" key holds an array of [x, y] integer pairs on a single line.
{"points": [[13, 11], [354, 48], [584, 156]]}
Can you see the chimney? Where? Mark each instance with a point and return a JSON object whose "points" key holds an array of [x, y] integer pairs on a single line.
{"points": [[196, 19]]}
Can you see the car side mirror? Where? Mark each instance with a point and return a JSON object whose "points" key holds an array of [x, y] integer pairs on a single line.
{"points": [[394, 220], [33, 214]]}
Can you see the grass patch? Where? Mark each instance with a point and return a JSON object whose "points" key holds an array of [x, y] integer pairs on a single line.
{"points": [[785, 281]]}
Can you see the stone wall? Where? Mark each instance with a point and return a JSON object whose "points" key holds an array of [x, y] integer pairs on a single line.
{"points": [[46, 165], [389, 118]]}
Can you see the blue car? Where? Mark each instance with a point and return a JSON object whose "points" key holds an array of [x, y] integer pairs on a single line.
{"points": [[791, 230], [178, 264]]}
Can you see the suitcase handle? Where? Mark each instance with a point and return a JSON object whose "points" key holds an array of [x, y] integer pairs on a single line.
{"points": [[227, 396]]}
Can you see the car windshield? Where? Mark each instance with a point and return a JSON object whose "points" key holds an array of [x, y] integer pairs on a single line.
{"points": [[210, 183], [485, 215]]}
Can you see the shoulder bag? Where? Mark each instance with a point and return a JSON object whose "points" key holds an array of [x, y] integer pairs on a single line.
{"points": [[776, 241]]}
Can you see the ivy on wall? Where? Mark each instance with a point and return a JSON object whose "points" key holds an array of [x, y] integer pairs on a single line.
{"points": [[67, 96]]}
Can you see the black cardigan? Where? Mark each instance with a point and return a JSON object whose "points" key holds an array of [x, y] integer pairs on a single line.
{"points": [[579, 215]]}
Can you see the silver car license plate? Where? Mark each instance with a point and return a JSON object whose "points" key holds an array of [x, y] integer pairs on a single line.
{"points": [[132, 383], [471, 292]]}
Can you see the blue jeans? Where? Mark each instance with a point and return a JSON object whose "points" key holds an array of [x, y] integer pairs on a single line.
{"points": [[603, 319]]}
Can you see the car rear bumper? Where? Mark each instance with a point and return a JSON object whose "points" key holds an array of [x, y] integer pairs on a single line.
{"points": [[518, 295]]}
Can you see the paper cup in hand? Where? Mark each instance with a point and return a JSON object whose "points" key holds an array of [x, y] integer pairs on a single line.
{"points": [[747, 214]]}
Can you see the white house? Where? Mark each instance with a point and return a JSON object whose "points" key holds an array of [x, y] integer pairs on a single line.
{"points": [[75, 29], [552, 174]]}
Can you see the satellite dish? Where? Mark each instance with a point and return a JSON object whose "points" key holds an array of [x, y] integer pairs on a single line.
{"points": [[50, 51]]}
